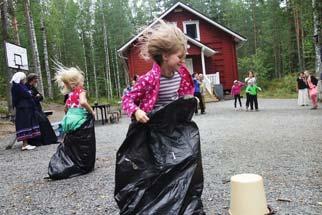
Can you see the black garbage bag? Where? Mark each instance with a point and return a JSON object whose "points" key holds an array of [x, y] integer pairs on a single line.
{"points": [[48, 135], [76, 155], [158, 166]]}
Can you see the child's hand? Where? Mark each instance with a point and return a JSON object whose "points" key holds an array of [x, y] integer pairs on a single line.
{"points": [[141, 116]]}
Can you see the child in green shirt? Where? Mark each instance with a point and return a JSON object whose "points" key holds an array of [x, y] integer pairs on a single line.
{"points": [[252, 89]]}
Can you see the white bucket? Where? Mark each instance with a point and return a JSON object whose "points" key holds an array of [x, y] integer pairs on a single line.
{"points": [[247, 195]]}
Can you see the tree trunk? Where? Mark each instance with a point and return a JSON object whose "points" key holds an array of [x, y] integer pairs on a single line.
{"points": [[85, 62], [14, 21], [33, 43], [5, 35], [254, 25], [44, 37], [298, 35], [302, 42], [115, 74], [94, 68], [317, 33], [118, 76], [280, 60], [107, 63]]}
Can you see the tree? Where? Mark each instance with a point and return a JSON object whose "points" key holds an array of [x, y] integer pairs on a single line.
{"points": [[33, 44], [11, 5], [317, 36], [44, 37], [5, 35], [106, 51]]}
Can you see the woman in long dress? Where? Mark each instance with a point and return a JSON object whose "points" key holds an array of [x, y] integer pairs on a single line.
{"points": [[27, 127]]}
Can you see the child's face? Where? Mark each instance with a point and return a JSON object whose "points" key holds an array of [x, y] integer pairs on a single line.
{"points": [[174, 61]]}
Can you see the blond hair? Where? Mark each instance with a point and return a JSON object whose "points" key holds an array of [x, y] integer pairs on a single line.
{"points": [[68, 78], [164, 38]]}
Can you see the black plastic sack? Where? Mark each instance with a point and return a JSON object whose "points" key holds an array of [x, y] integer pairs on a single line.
{"points": [[158, 166], [76, 155]]}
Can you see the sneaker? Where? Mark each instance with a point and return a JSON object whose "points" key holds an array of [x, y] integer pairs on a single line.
{"points": [[236, 109], [314, 108], [203, 112], [28, 147]]}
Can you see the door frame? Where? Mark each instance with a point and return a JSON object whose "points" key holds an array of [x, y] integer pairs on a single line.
{"points": [[189, 65]]}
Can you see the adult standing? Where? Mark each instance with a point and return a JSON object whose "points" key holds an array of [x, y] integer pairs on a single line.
{"points": [[32, 81], [197, 93], [312, 83], [250, 79], [302, 90], [26, 123], [48, 135], [202, 90]]}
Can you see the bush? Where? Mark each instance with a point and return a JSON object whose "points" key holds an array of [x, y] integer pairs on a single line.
{"points": [[279, 88]]}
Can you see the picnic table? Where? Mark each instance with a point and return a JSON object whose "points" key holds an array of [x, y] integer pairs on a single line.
{"points": [[106, 114]]}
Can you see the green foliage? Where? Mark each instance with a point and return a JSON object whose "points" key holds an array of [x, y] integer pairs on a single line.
{"points": [[3, 110], [279, 88], [256, 63]]}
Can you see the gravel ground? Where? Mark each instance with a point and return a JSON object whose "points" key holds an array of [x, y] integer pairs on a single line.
{"points": [[281, 142]]}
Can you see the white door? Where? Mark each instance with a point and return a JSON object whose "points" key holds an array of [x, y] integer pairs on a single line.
{"points": [[189, 65]]}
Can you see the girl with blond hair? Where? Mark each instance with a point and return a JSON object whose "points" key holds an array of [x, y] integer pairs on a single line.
{"points": [[76, 155], [156, 170], [71, 82]]}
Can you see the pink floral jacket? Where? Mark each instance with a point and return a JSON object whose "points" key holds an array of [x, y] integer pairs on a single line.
{"points": [[144, 93]]}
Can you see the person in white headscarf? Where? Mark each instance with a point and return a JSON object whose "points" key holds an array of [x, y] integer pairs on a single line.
{"points": [[27, 126]]}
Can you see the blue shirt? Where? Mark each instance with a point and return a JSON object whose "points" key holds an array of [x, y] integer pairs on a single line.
{"points": [[197, 86]]}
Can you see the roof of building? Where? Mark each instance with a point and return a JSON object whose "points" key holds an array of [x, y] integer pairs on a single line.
{"points": [[238, 37]]}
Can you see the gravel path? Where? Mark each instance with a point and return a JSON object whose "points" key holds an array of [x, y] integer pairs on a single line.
{"points": [[281, 142]]}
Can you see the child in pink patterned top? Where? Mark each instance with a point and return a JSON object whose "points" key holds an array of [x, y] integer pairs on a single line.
{"points": [[73, 97], [166, 45], [235, 91]]}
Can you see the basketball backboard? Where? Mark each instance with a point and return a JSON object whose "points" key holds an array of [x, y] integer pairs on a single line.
{"points": [[16, 56]]}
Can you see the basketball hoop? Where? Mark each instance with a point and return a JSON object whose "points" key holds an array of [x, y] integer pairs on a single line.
{"points": [[16, 57]]}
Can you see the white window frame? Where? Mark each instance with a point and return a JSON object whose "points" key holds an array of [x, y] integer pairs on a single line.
{"points": [[196, 22]]}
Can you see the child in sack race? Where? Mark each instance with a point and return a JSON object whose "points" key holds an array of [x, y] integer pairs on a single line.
{"points": [[167, 82]]}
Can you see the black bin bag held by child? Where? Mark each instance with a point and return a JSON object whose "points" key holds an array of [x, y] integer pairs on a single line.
{"points": [[76, 155], [158, 166]]}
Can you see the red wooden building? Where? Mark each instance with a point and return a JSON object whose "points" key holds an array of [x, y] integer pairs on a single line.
{"points": [[211, 47]]}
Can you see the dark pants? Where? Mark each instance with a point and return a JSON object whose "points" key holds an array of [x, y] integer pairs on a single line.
{"points": [[237, 97], [253, 101], [201, 104], [247, 100]]}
